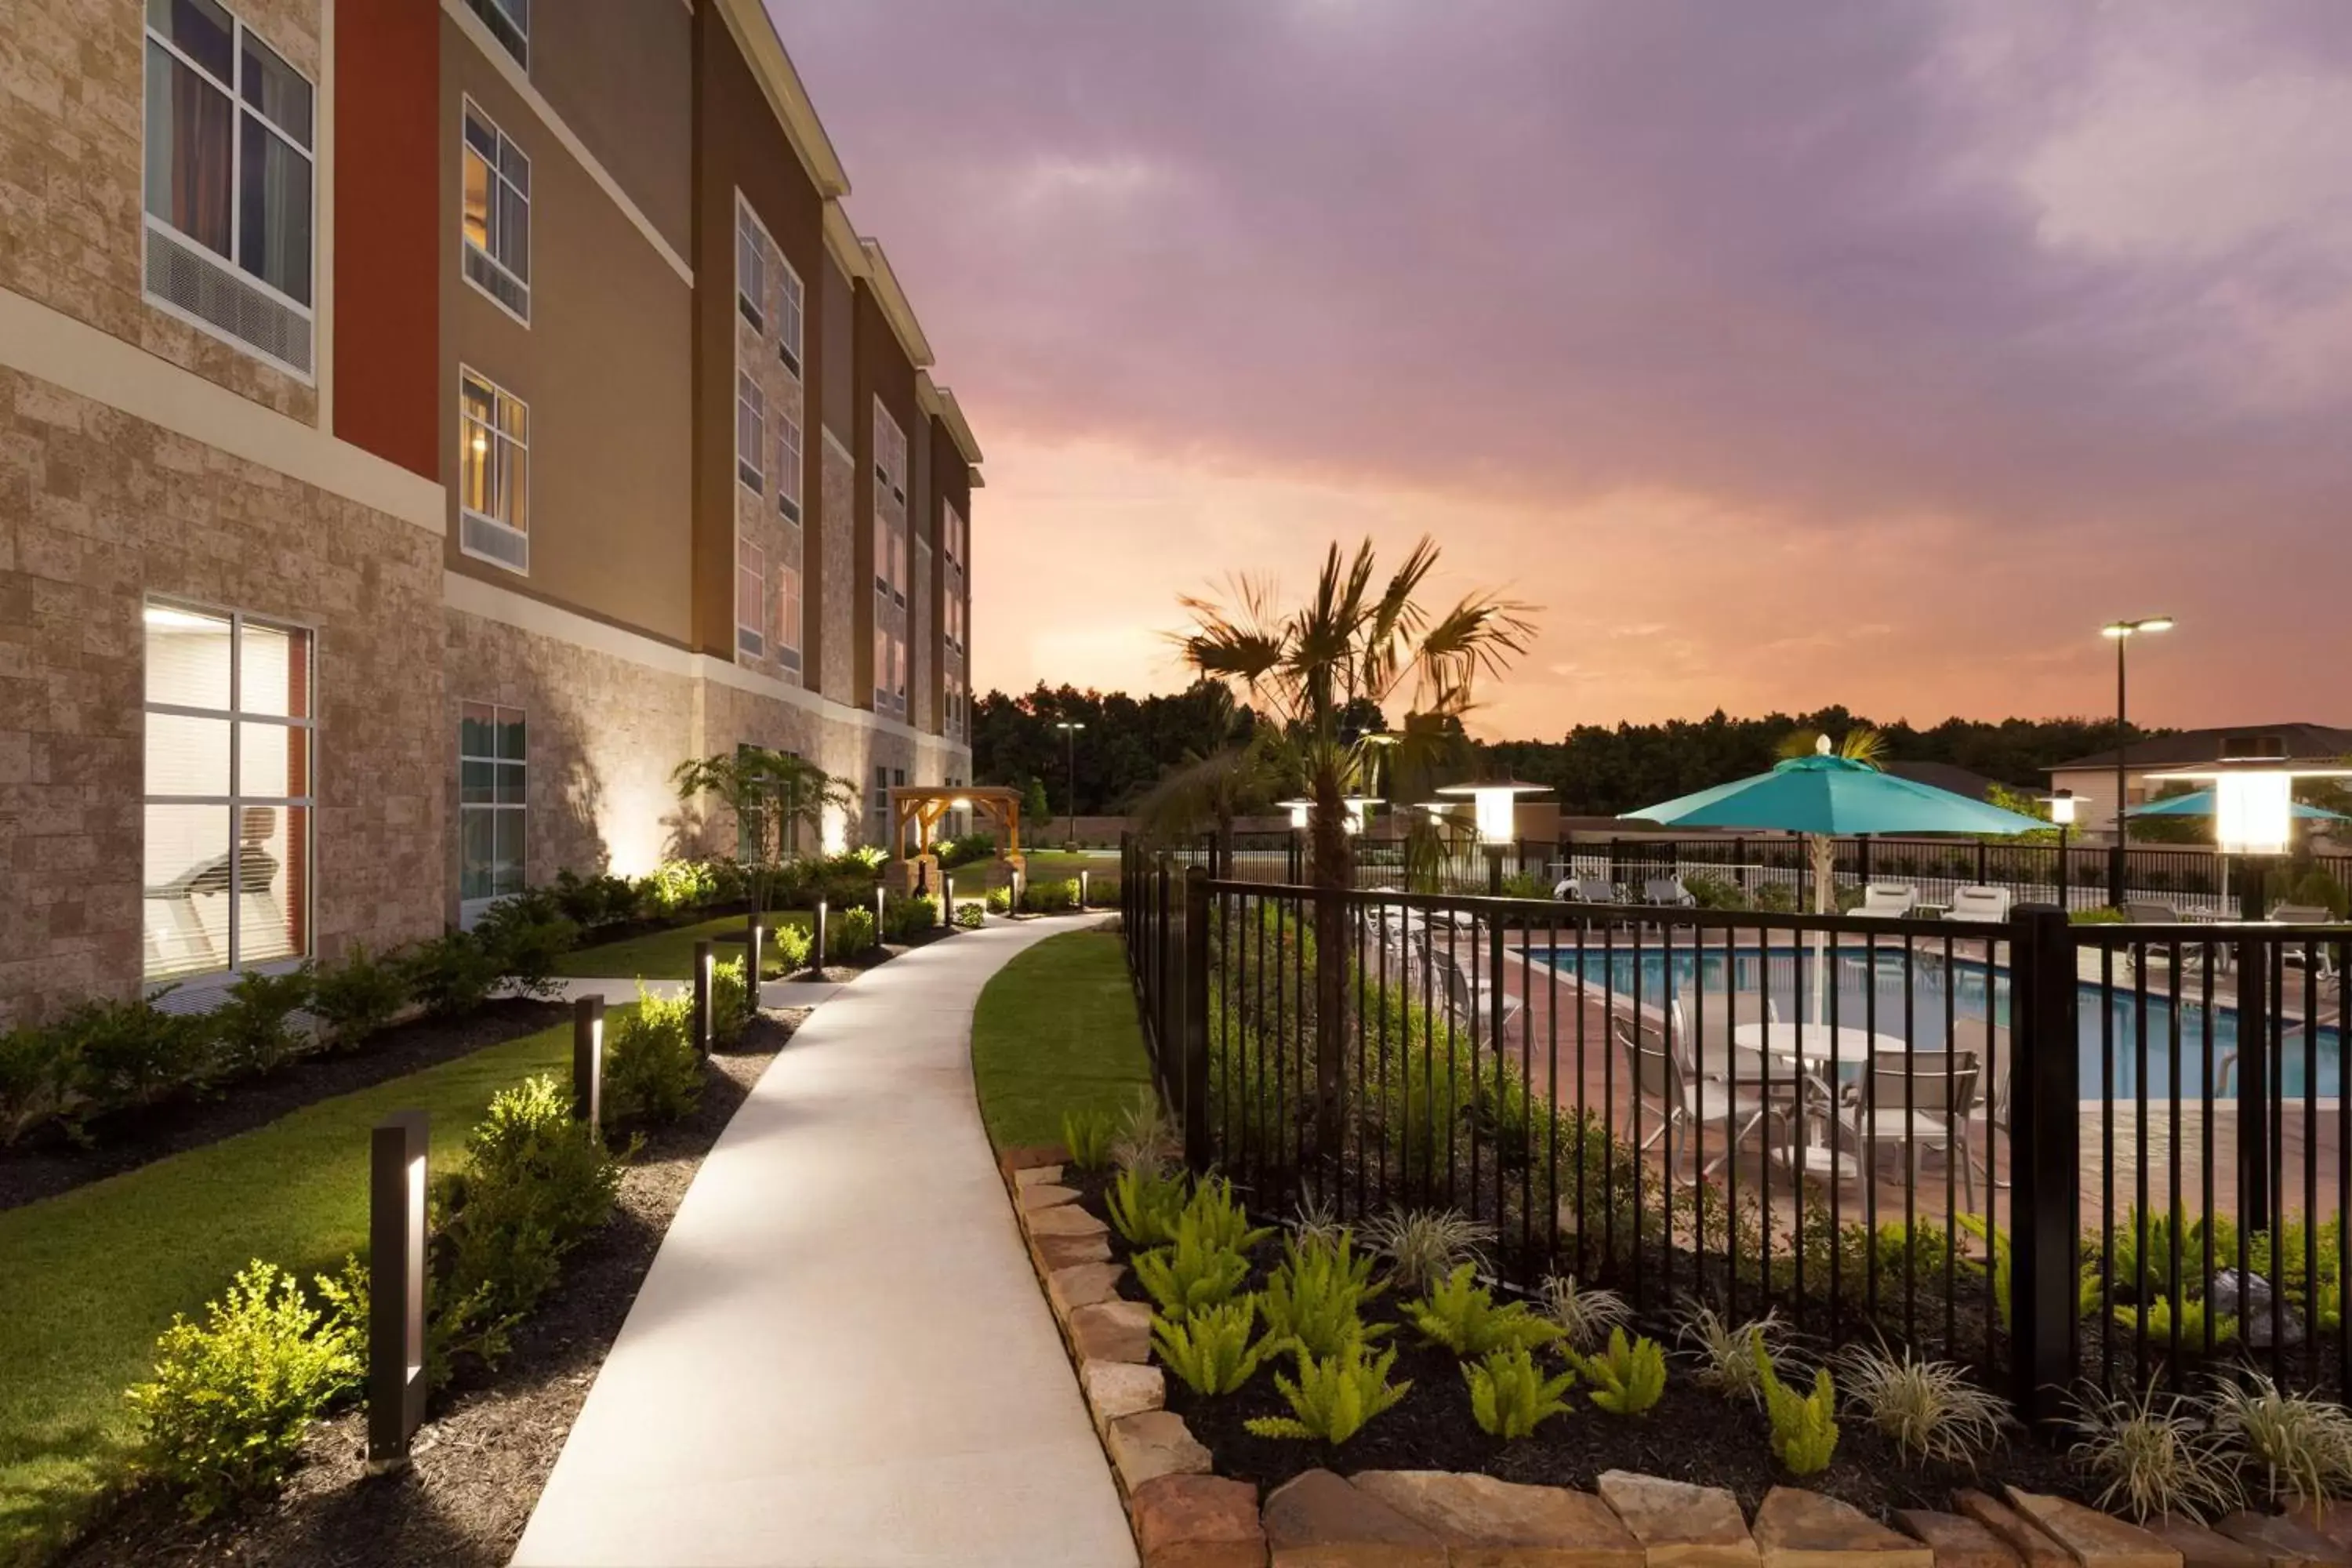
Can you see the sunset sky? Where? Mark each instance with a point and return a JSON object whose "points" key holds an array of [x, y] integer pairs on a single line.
{"points": [[1782, 354]]}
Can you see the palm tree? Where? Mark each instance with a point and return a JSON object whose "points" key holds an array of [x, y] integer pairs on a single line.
{"points": [[1356, 639], [1214, 789], [772, 794]]}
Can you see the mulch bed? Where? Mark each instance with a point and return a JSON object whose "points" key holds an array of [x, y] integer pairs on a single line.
{"points": [[47, 1163], [1691, 1435], [486, 1448]]}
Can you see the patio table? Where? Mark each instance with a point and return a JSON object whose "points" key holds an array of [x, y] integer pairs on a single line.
{"points": [[1815, 1048]]}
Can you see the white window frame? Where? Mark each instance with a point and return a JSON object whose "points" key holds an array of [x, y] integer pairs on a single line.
{"points": [[235, 801], [792, 463], [751, 566], [790, 612], [791, 321], [751, 432], [239, 112], [470, 109], [519, 45], [471, 909], [466, 424], [750, 267]]}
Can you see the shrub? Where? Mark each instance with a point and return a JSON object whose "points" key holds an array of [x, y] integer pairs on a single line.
{"points": [[1927, 1409], [523, 936], [231, 1400], [651, 1072], [1145, 1203], [1209, 1349], [1509, 1397], [1316, 1297], [452, 975], [1626, 1379], [535, 1183], [1086, 1135], [1101, 892], [1192, 1273], [1146, 1135], [905, 919], [790, 946], [1804, 1426], [600, 900], [674, 886], [1223, 1221], [254, 1024], [1583, 1313], [357, 998], [970, 915], [1460, 1315], [999, 900], [731, 1008], [38, 1072], [1316, 1224], [2299, 1446], [1050, 897], [849, 932], [965, 848], [1333, 1397], [2151, 1455], [1424, 1245], [1726, 1352], [131, 1053]]}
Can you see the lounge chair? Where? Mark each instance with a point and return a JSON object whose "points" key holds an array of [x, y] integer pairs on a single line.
{"points": [[1669, 892], [1984, 905], [1471, 999], [1889, 900], [1587, 890]]}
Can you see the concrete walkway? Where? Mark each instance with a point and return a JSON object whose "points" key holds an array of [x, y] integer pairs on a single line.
{"points": [[841, 1356]]}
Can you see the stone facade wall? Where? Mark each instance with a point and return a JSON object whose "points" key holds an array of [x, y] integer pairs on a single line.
{"points": [[99, 510], [836, 598], [601, 736], [922, 643], [72, 156]]}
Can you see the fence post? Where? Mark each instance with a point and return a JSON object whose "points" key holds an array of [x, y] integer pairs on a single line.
{"points": [[1163, 962], [2045, 1133], [1194, 1055], [2257, 1143], [1862, 858], [2116, 862]]}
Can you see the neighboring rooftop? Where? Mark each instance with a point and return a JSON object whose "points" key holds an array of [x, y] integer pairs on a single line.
{"points": [[2185, 748], [1943, 775]]}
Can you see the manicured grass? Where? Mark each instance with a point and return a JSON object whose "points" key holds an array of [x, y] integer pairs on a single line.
{"points": [[669, 954], [1057, 1031], [89, 1278]]}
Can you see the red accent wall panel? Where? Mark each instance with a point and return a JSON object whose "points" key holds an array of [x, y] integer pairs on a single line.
{"points": [[387, 230]]}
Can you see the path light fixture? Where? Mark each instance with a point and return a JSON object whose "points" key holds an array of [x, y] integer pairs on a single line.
{"points": [[588, 1060], [947, 900], [816, 958], [2063, 807], [703, 962], [755, 956], [2122, 633], [1083, 875], [2254, 807], [395, 1378], [1070, 728], [877, 913], [1494, 803]]}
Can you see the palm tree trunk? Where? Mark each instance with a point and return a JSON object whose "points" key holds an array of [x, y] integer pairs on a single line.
{"points": [[1332, 875]]}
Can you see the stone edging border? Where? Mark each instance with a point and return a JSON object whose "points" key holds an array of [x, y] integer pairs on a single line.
{"points": [[1183, 1517]]}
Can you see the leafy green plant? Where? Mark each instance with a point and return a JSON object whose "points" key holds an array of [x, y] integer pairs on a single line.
{"points": [[1192, 1273], [1510, 1397], [1223, 1220], [1145, 1203], [732, 1010], [131, 1053], [1425, 1246], [1314, 1223], [606, 900], [905, 919], [999, 900], [1146, 1135], [37, 1070], [849, 933], [1210, 1351], [1316, 1296], [2151, 1455], [1583, 1313], [1725, 1352], [535, 1183], [357, 998], [451, 975], [970, 915], [1085, 1134], [523, 936], [231, 1399], [791, 945], [1625, 1379], [2158, 1319], [255, 1023], [1804, 1425], [1333, 1397], [651, 1072], [1927, 1409], [2300, 1447], [1460, 1314]]}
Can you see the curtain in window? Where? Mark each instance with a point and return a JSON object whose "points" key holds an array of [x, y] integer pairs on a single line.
{"points": [[188, 151]]}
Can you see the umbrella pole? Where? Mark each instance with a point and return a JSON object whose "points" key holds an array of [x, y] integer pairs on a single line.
{"points": [[1824, 884]]}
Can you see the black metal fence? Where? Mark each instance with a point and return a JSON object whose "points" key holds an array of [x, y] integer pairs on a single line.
{"points": [[2051, 1150]]}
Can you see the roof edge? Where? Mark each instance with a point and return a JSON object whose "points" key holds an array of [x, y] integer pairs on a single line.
{"points": [[756, 36], [894, 308], [951, 416]]}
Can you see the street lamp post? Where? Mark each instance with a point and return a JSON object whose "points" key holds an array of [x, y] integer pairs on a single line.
{"points": [[1493, 805], [2062, 807], [2122, 632], [1070, 728]]}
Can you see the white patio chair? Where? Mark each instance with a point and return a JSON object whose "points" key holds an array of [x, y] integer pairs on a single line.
{"points": [[1587, 890], [1917, 1099], [2319, 956], [1471, 998], [1980, 904], [1889, 900], [1669, 891], [1686, 1104]]}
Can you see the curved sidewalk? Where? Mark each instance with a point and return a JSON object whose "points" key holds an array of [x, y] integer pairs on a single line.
{"points": [[840, 1357]]}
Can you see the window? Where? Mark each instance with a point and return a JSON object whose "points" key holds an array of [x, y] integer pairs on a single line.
{"points": [[881, 800], [788, 324], [229, 181], [491, 796], [226, 811], [789, 464], [496, 195], [788, 612], [493, 474], [750, 597], [508, 22], [750, 430], [750, 269]]}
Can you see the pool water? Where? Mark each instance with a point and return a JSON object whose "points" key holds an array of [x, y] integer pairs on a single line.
{"points": [[1969, 994]]}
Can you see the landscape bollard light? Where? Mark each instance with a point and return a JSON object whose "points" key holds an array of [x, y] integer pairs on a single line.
{"points": [[588, 1060], [947, 899], [878, 914], [702, 963], [395, 1376], [1083, 875], [816, 955], [755, 957]]}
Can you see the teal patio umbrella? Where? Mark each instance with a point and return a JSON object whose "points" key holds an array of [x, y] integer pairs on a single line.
{"points": [[2199, 803], [1826, 797]]}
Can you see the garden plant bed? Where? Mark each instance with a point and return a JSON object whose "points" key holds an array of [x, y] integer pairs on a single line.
{"points": [[47, 1163], [490, 1441]]}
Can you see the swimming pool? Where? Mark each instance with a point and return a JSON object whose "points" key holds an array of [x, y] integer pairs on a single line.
{"points": [[1968, 993]]}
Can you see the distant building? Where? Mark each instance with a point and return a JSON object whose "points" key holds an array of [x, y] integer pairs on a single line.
{"points": [[2094, 777], [1943, 776]]}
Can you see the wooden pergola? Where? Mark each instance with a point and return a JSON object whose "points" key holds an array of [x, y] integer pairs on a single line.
{"points": [[924, 805]]}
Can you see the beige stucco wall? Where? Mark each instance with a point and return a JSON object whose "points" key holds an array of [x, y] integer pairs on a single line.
{"points": [[99, 510], [72, 149]]}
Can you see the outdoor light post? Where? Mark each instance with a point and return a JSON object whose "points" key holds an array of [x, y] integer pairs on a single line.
{"points": [[1494, 803], [702, 977], [947, 900], [588, 1060], [2063, 808], [755, 955], [395, 1375], [1070, 728], [2122, 632], [1298, 809]]}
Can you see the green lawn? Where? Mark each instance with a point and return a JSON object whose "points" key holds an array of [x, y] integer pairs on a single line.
{"points": [[91, 1277], [669, 954], [1055, 1031]]}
